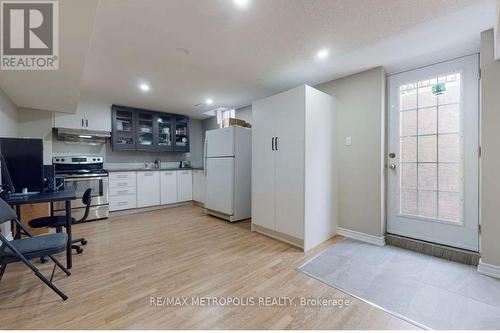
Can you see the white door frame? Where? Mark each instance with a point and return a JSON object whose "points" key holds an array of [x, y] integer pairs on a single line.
{"points": [[464, 236]]}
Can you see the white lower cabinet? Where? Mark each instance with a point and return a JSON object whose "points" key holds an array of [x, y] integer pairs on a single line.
{"points": [[148, 188], [199, 185], [122, 190], [184, 185], [168, 187], [138, 189]]}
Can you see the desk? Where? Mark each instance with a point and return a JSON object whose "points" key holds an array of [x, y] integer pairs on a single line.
{"points": [[65, 195]]}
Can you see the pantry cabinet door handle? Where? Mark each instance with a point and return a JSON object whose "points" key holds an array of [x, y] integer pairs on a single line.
{"points": [[276, 144], [272, 143]]}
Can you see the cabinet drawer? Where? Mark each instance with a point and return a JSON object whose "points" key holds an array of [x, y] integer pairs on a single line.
{"points": [[120, 183], [119, 176], [114, 191], [122, 202]]}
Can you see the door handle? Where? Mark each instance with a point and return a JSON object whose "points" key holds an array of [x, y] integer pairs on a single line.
{"points": [[272, 143], [392, 166], [86, 123], [82, 123], [276, 144]]}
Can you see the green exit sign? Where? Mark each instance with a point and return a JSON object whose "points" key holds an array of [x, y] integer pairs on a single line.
{"points": [[438, 89]]}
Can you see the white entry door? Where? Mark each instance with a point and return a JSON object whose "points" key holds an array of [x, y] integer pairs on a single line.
{"points": [[433, 147]]}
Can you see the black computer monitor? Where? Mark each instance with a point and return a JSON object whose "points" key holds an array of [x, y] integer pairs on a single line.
{"points": [[24, 161]]}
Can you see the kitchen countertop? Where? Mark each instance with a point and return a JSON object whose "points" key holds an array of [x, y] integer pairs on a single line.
{"points": [[148, 169]]}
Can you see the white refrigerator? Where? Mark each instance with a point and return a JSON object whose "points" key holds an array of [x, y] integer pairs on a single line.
{"points": [[228, 170]]}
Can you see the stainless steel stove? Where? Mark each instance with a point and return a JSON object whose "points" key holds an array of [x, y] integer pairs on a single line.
{"points": [[83, 172]]}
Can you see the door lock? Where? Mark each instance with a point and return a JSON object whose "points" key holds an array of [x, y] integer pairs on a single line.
{"points": [[392, 155], [392, 166]]}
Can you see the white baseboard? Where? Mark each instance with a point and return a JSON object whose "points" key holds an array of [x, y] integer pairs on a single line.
{"points": [[488, 269], [375, 240]]}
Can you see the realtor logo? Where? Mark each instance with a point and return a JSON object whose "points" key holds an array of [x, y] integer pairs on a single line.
{"points": [[30, 35]]}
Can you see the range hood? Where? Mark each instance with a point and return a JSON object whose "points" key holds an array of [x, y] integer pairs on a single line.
{"points": [[81, 136]]}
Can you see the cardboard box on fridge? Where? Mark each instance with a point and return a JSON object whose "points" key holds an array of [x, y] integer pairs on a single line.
{"points": [[235, 122]]}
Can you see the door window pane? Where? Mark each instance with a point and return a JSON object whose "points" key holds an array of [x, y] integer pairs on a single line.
{"points": [[427, 121], [409, 149], [427, 176], [409, 123], [431, 148], [425, 97], [449, 177], [449, 118], [450, 206], [427, 149], [409, 175], [449, 148], [408, 99], [408, 202], [427, 204]]}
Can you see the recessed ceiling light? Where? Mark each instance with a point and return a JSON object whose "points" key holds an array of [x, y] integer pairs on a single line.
{"points": [[144, 87], [209, 101], [322, 54], [241, 3]]}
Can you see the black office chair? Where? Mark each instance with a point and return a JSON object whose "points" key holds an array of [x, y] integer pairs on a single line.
{"points": [[23, 250], [58, 222]]}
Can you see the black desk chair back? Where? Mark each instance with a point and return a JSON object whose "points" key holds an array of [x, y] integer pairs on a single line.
{"points": [[23, 250], [58, 222]]}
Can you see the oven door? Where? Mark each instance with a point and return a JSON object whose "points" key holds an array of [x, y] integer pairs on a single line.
{"points": [[98, 184]]}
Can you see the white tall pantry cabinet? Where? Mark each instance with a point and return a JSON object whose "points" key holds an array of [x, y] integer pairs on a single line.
{"points": [[294, 176]]}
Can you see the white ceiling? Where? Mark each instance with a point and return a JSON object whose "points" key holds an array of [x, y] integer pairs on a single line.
{"points": [[236, 56], [57, 90]]}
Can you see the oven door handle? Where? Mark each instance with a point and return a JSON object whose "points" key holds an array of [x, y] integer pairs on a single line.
{"points": [[66, 179]]}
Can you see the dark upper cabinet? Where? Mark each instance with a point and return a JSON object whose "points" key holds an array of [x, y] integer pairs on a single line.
{"points": [[145, 138], [123, 129], [145, 130], [181, 127], [164, 130]]}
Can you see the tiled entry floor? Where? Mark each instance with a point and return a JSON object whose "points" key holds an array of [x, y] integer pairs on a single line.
{"points": [[427, 291]]}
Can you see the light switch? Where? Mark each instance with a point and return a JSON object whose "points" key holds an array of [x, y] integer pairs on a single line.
{"points": [[348, 141]]}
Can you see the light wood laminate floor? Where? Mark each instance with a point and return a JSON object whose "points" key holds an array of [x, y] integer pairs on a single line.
{"points": [[178, 252]]}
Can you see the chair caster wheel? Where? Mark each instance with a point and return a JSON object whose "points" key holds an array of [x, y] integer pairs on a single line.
{"points": [[84, 242], [44, 260], [79, 251]]}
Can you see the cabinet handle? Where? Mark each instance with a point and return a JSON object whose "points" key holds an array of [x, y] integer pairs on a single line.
{"points": [[82, 122], [122, 184], [272, 143], [122, 203], [276, 144], [148, 174], [87, 122], [122, 176], [123, 192]]}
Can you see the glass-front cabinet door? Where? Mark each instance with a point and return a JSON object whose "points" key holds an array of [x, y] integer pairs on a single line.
{"points": [[123, 129], [164, 132], [145, 131], [181, 125]]}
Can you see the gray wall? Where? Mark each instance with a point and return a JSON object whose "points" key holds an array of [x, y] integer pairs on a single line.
{"points": [[38, 124], [490, 160], [8, 128], [8, 116], [360, 111]]}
